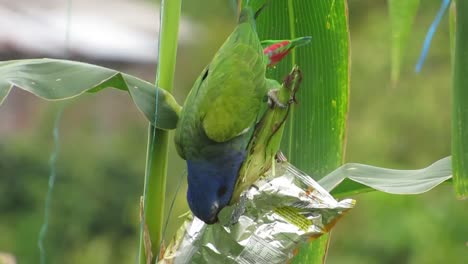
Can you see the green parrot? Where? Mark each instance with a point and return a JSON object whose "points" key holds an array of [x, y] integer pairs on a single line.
{"points": [[218, 119]]}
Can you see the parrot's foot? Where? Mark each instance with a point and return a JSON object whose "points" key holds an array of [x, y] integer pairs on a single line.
{"points": [[273, 99], [291, 84]]}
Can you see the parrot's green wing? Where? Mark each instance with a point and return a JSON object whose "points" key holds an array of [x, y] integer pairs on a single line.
{"points": [[232, 107], [233, 85], [226, 99]]}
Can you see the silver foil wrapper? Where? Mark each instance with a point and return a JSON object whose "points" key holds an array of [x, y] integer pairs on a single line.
{"points": [[283, 209]]}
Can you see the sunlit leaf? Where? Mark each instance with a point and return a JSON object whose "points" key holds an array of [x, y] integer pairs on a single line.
{"points": [[61, 79], [353, 178]]}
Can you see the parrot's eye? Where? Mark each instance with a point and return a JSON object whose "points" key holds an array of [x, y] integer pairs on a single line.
{"points": [[222, 190]]}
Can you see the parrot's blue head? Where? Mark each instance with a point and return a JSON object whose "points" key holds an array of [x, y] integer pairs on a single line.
{"points": [[211, 183]]}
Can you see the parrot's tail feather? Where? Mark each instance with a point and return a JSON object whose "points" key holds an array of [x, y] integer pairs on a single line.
{"points": [[247, 15]]}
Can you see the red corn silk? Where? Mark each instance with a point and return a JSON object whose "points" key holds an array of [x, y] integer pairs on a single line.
{"points": [[276, 52]]}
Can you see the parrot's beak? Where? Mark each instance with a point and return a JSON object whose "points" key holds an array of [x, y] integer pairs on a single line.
{"points": [[213, 220], [215, 210]]}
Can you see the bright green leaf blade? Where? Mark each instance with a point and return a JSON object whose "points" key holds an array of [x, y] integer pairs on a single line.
{"points": [[353, 178], [53, 79], [402, 14], [315, 134], [459, 101], [314, 137]]}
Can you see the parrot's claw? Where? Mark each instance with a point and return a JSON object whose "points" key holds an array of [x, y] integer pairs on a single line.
{"points": [[273, 99], [291, 83]]}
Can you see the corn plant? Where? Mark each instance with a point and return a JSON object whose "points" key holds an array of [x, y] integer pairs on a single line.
{"points": [[315, 136]]}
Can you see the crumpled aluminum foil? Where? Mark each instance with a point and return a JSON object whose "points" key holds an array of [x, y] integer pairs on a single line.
{"points": [[282, 210]]}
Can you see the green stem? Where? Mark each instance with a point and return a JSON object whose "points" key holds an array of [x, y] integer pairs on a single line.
{"points": [[460, 106], [156, 159]]}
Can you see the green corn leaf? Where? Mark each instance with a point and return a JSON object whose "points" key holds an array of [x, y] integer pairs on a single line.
{"points": [[402, 14], [353, 178], [314, 137], [52, 79], [459, 101]]}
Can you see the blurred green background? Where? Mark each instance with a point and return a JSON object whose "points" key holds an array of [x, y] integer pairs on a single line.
{"points": [[95, 205]]}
